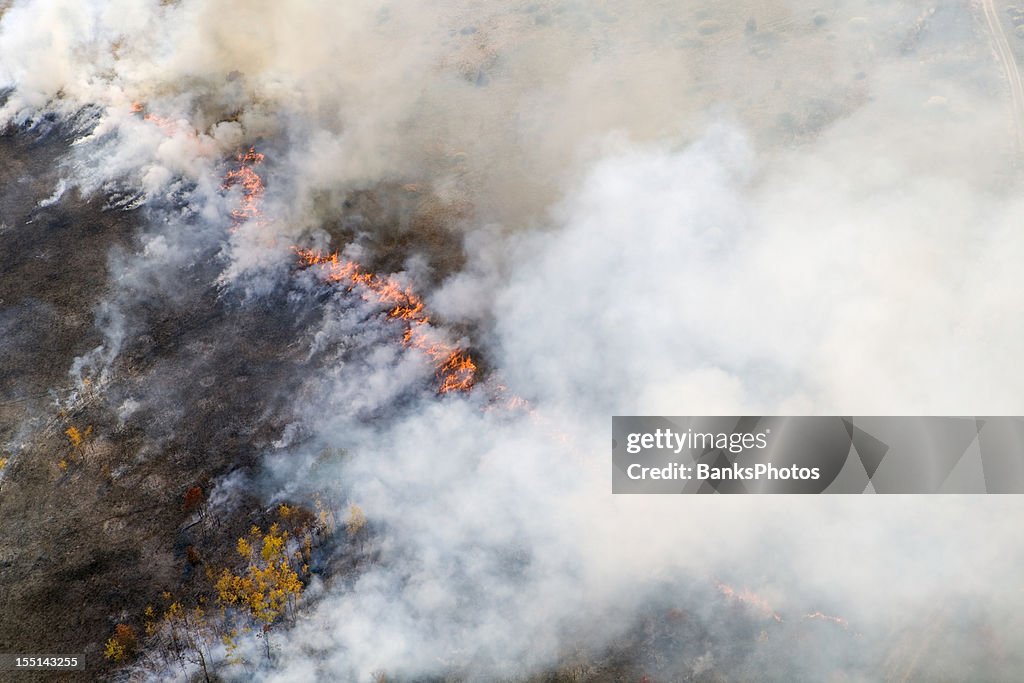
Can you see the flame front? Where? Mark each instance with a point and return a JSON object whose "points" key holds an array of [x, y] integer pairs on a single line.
{"points": [[828, 617], [750, 598], [456, 370], [168, 126], [244, 176], [250, 182]]}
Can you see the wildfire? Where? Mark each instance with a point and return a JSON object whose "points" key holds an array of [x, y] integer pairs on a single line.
{"points": [[761, 605], [458, 373], [827, 617], [250, 182], [168, 126], [502, 398], [750, 598], [456, 370]]}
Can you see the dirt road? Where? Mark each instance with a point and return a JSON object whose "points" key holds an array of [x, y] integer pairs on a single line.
{"points": [[1005, 55]]}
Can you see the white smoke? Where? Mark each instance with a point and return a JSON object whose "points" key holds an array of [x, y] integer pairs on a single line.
{"points": [[663, 290]]}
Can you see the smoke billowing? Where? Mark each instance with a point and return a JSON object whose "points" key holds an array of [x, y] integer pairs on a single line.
{"points": [[620, 208]]}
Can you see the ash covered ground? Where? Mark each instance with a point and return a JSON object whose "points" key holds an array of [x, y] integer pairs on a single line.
{"points": [[336, 301]]}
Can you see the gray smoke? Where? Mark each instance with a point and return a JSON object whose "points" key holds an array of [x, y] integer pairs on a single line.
{"points": [[780, 208]]}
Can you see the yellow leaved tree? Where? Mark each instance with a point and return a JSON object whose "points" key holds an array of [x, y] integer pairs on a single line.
{"points": [[269, 586], [77, 437], [121, 645], [79, 440]]}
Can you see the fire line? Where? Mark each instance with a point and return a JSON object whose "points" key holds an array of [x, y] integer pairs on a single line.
{"points": [[456, 370]]}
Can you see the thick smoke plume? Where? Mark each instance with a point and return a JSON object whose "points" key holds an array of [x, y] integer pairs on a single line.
{"points": [[621, 208]]}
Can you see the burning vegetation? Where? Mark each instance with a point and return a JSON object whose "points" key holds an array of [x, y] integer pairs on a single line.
{"points": [[141, 515], [245, 177], [455, 369]]}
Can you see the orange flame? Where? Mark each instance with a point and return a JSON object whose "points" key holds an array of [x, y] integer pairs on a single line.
{"points": [[168, 126], [827, 617], [501, 398], [250, 182], [750, 598], [458, 373], [456, 370]]}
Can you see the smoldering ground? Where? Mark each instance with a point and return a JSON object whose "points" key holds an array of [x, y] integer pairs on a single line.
{"points": [[780, 208]]}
